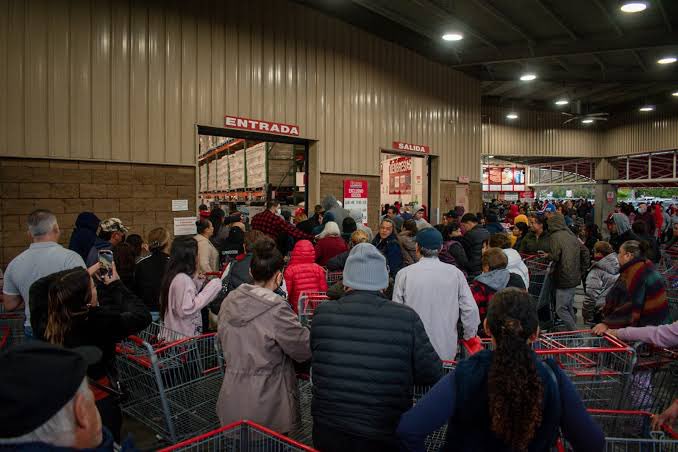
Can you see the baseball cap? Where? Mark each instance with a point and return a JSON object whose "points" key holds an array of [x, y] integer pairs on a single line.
{"points": [[38, 379], [429, 238], [113, 225], [549, 208]]}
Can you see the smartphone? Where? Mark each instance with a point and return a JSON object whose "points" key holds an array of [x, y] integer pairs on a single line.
{"points": [[106, 260]]}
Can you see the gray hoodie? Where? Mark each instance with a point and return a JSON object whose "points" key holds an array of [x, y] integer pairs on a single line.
{"points": [[330, 204], [357, 215], [600, 279], [622, 223]]}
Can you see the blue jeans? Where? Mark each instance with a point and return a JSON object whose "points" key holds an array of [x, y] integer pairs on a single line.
{"points": [[565, 308]]}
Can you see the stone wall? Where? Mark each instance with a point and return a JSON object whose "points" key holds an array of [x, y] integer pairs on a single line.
{"points": [[333, 184], [140, 195]]}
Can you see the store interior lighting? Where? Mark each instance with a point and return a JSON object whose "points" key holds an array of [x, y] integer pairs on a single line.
{"points": [[453, 37], [667, 60], [646, 108], [528, 77], [633, 6], [675, 94], [512, 116], [562, 102], [587, 121]]}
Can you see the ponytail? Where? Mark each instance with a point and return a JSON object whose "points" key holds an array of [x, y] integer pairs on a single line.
{"points": [[515, 388]]}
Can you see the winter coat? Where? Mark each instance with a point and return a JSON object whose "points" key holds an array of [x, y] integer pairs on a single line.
{"points": [[392, 251], [85, 234], [565, 254], [186, 299], [653, 252], [475, 238], [303, 274], [208, 256], [600, 279], [485, 285], [531, 244], [308, 225], [454, 253], [148, 275], [338, 262], [331, 205], [368, 353], [357, 215], [638, 298], [617, 240], [495, 228], [648, 219], [327, 248], [517, 266], [261, 337], [409, 248]]}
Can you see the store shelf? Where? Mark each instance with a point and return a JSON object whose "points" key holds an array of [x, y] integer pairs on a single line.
{"points": [[220, 150]]}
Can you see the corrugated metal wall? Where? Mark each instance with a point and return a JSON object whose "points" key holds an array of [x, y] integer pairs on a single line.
{"points": [[654, 133], [128, 81], [536, 134]]}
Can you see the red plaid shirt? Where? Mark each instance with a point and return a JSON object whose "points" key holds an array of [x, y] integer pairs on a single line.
{"points": [[271, 224]]}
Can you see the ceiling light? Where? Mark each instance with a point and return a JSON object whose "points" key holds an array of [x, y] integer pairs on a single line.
{"points": [[633, 7], [528, 77], [647, 108], [587, 121], [490, 156], [453, 37], [512, 116], [562, 102], [667, 60], [675, 94]]}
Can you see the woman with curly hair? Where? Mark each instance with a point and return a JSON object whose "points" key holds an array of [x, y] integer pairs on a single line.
{"points": [[504, 399]]}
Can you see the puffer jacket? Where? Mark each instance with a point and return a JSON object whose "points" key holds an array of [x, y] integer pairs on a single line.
{"points": [[565, 253], [454, 253], [475, 238], [261, 338], [409, 248], [303, 274], [530, 244], [328, 247], [600, 279], [368, 353]]}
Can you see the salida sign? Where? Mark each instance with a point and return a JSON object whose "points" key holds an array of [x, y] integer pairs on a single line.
{"points": [[408, 147], [257, 125]]}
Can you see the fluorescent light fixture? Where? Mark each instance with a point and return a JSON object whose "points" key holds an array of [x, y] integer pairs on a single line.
{"points": [[528, 77], [675, 94], [633, 7], [512, 116], [647, 108], [587, 121], [562, 102], [667, 60], [453, 37]]}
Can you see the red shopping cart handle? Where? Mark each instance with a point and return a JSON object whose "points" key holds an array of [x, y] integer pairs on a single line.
{"points": [[473, 345]]}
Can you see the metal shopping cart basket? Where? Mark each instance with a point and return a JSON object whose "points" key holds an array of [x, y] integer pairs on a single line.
{"points": [[670, 277], [308, 301], [11, 327], [436, 440], [540, 289], [654, 383], [241, 436], [171, 385]]}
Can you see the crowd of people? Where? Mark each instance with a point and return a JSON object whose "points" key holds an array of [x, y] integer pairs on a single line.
{"points": [[408, 293]]}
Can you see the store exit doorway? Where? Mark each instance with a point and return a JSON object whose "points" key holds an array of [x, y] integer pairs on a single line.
{"points": [[406, 179]]}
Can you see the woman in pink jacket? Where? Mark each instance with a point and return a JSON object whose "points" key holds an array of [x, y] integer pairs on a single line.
{"points": [[182, 294], [303, 274]]}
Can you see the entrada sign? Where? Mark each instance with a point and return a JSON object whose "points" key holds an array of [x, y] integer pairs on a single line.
{"points": [[400, 146], [235, 122]]}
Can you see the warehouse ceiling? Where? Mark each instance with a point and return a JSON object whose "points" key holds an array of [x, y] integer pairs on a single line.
{"points": [[588, 51]]}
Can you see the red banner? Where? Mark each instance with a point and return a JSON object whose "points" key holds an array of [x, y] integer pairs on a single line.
{"points": [[408, 147], [400, 176], [235, 122], [355, 188]]}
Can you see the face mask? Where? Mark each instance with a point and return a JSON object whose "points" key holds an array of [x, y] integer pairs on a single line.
{"points": [[642, 209], [278, 211]]}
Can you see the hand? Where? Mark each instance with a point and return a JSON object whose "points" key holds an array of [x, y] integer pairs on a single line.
{"points": [[111, 276], [144, 246], [94, 269], [668, 417], [600, 329]]}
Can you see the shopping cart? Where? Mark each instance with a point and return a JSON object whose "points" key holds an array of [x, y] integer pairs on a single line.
{"points": [[241, 436], [436, 440], [670, 277], [171, 386], [654, 383], [308, 301], [540, 290], [630, 431], [305, 433], [11, 327], [333, 277]]}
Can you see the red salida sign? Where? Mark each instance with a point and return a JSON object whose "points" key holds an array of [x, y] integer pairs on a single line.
{"points": [[235, 122], [400, 146]]}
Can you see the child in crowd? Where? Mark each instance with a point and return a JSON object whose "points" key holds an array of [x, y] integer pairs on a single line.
{"points": [[303, 274]]}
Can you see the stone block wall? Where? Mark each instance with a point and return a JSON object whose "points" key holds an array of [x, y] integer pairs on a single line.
{"points": [[333, 184], [140, 195]]}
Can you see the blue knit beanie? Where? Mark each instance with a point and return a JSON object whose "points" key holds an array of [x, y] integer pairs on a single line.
{"points": [[365, 269]]}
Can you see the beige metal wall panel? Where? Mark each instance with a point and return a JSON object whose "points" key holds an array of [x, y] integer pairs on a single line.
{"points": [[660, 132], [129, 81]]}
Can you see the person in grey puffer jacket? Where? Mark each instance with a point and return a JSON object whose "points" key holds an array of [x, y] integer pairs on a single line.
{"points": [[601, 277], [330, 204]]}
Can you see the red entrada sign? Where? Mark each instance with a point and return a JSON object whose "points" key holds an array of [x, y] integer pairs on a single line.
{"points": [[400, 146], [235, 122]]}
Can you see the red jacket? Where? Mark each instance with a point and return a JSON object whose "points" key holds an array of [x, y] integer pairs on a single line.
{"points": [[327, 248], [303, 274]]}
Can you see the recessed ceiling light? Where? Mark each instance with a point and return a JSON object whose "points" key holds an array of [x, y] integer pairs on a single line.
{"points": [[633, 7], [453, 37], [512, 116], [587, 121], [667, 60], [528, 77], [562, 102], [647, 108]]}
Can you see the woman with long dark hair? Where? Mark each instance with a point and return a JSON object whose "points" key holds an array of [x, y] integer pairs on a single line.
{"points": [[504, 399], [182, 294], [67, 311]]}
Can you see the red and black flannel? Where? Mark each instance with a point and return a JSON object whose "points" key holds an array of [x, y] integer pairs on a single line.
{"points": [[271, 224], [482, 294]]}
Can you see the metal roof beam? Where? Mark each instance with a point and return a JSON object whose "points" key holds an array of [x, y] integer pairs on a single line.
{"points": [[665, 16], [609, 17], [504, 19], [557, 20]]}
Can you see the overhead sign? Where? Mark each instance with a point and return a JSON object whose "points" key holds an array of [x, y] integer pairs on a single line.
{"points": [[408, 147], [355, 196], [257, 125], [400, 176]]}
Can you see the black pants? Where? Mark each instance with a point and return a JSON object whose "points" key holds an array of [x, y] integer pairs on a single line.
{"points": [[111, 416], [330, 440]]}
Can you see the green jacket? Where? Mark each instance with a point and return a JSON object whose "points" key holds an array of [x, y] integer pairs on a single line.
{"points": [[565, 254], [531, 244]]}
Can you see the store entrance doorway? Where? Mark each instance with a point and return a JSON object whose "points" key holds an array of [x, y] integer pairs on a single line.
{"points": [[405, 179], [239, 170]]}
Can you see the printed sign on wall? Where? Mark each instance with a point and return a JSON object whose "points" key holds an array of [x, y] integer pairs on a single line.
{"points": [[355, 196], [400, 176]]}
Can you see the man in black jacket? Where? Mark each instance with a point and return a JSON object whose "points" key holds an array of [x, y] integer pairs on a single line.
{"points": [[368, 353], [476, 236]]}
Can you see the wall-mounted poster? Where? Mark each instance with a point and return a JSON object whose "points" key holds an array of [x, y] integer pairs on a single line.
{"points": [[400, 176]]}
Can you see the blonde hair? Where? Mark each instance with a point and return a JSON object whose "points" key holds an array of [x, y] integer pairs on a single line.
{"points": [[158, 239], [359, 237], [331, 229]]}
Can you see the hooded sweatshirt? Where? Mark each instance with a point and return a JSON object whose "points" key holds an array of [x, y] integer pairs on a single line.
{"points": [[624, 232], [85, 234], [565, 253], [303, 274], [261, 337], [331, 205], [357, 215], [516, 265], [487, 284]]}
